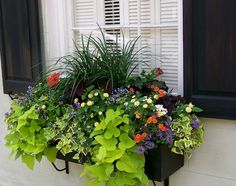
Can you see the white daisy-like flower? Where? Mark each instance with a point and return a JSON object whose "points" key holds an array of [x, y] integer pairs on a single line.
{"points": [[160, 110]]}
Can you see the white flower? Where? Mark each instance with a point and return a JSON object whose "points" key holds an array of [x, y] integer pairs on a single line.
{"points": [[136, 103], [145, 105], [76, 100], [96, 124], [188, 109], [156, 96], [133, 100], [160, 110], [100, 113], [91, 115], [83, 104], [190, 105], [105, 95], [126, 104], [149, 100], [90, 96], [144, 98], [95, 94], [133, 96], [90, 103]]}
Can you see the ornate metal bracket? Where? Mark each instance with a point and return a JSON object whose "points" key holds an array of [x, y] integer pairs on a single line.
{"points": [[64, 169]]}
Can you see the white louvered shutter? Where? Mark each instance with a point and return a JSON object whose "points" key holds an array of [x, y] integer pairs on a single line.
{"points": [[169, 42]]}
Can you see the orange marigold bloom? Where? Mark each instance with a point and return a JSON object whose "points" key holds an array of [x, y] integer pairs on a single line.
{"points": [[137, 138], [162, 93], [162, 127], [53, 79]]}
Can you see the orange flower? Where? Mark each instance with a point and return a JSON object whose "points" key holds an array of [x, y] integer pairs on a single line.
{"points": [[144, 135], [156, 89], [162, 93], [137, 138], [152, 119], [162, 127], [152, 86], [53, 79]]}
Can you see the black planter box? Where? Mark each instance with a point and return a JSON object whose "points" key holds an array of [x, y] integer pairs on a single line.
{"points": [[160, 163]]}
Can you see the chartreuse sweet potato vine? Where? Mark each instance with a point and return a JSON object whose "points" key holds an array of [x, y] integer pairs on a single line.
{"points": [[26, 137], [114, 157]]}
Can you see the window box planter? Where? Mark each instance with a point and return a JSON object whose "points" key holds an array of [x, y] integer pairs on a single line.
{"points": [[160, 163]]}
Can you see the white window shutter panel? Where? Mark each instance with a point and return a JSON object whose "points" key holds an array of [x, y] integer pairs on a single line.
{"points": [[140, 13], [169, 43], [86, 16]]}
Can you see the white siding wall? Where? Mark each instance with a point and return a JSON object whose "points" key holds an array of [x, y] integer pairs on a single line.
{"points": [[211, 165]]}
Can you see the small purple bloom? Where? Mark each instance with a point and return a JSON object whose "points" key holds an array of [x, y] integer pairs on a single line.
{"points": [[159, 135], [76, 105], [195, 124], [169, 139], [149, 137], [7, 114], [169, 132], [140, 149], [149, 144], [167, 122], [29, 90]]}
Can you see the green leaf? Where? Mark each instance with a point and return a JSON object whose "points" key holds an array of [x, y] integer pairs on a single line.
{"points": [[111, 156], [39, 157], [51, 153], [125, 142], [197, 109], [108, 144], [28, 160], [101, 153], [112, 132]]}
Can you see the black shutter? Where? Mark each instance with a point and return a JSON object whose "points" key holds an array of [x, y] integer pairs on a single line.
{"points": [[19, 44], [210, 56]]}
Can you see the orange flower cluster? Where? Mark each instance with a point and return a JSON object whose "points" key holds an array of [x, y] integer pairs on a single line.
{"points": [[139, 137], [162, 127], [53, 79], [152, 119], [161, 92], [155, 88]]}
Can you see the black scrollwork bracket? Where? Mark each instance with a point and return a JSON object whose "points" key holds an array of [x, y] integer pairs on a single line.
{"points": [[64, 169]]}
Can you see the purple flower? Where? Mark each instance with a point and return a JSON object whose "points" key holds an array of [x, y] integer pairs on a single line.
{"points": [[195, 124], [149, 137], [7, 114], [159, 135], [167, 122], [76, 105], [140, 149], [29, 90], [169, 139], [149, 144]]}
